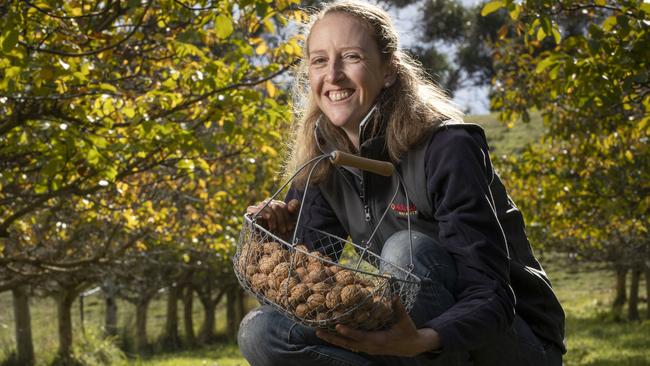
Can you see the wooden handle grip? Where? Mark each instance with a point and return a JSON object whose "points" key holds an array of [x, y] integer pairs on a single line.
{"points": [[384, 168]]}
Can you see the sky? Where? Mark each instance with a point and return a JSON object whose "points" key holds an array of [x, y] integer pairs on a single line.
{"points": [[472, 100]]}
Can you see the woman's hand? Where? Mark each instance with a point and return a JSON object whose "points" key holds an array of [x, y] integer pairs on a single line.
{"points": [[402, 339], [277, 216]]}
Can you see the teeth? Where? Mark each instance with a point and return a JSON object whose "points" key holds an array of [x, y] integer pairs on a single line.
{"points": [[339, 95]]}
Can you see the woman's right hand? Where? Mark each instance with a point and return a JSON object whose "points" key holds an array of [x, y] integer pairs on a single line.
{"points": [[277, 216]]}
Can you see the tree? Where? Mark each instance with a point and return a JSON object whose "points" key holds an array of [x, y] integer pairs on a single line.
{"points": [[585, 186], [455, 42], [94, 95]]}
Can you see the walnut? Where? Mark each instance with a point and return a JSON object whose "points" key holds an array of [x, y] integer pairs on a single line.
{"points": [[351, 295], [316, 302], [272, 295], [316, 276], [360, 317], [274, 281], [271, 247], [333, 298], [259, 281], [345, 277], [321, 288], [316, 256], [302, 273], [300, 253], [282, 269], [314, 267], [335, 268], [251, 269], [302, 310], [280, 255], [299, 294], [287, 285], [381, 308]]}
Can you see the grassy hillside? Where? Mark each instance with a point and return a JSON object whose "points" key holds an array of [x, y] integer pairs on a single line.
{"points": [[504, 140]]}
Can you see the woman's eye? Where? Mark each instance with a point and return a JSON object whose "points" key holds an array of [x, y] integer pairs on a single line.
{"points": [[318, 61], [351, 56]]}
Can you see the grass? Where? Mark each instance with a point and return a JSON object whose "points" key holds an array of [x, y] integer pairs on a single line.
{"points": [[594, 338]]}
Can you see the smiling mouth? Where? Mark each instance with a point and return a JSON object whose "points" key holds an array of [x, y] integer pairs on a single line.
{"points": [[338, 95]]}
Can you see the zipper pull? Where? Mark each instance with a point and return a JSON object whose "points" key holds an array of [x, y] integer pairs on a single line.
{"points": [[367, 211]]}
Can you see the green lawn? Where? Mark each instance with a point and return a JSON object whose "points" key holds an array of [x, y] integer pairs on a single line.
{"points": [[593, 337]]}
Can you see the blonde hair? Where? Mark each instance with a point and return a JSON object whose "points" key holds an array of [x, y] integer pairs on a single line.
{"points": [[411, 106]]}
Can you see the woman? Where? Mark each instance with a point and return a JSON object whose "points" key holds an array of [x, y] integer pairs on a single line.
{"points": [[487, 300]]}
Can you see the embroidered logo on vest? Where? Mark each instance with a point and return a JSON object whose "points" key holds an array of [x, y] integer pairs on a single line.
{"points": [[403, 210]]}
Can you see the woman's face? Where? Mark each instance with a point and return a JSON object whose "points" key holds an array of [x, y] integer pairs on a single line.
{"points": [[346, 72]]}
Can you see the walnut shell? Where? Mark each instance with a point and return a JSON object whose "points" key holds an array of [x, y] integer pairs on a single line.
{"points": [[321, 316], [351, 295], [271, 247], [316, 302], [259, 281], [360, 317], [288, 284], [345, 277], [302, 310], [321, 288], [333, 298], [302, 273], [266, 265], [282, 269], [251, 269], [300, 254], [316, 276], [315, 266], [272, 294], [280, 255], [299, 294], [274, 281], [334, 268], [316, 256]]}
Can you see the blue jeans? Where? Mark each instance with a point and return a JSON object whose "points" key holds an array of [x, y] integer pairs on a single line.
{"points": [[266, 337]]}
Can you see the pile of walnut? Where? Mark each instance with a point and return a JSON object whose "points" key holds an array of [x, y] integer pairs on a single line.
{"points": [[312, 289]]}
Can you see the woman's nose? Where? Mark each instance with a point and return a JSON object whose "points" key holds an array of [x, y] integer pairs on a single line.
{"points": [[334, 71]]}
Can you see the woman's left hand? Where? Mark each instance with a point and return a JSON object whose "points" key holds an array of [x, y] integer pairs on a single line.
{"points": [[402, 339]]}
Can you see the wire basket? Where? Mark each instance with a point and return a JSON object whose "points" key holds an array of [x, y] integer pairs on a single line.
{"points": [[339, 283]]}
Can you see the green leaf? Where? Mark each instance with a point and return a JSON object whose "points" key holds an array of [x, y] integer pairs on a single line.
{"points": [[492, 6], [107, 87], [223, 26], [609, 23], [9, 40]]}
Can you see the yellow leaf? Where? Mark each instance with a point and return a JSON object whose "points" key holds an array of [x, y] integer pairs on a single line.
{"points": [[261, 49], [270, 88], [629, 156], [492, 7]]}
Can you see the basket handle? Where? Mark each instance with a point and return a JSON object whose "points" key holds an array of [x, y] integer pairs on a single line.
{"points": [[380, 167]]}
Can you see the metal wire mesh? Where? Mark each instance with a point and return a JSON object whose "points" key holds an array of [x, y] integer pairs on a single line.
{"points": [[324, 287]]}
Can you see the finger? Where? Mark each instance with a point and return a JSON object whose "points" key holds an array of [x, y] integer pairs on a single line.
{"points": [[337, 340], [281, 215], [400, 310], [356, 335], [293, 206]]}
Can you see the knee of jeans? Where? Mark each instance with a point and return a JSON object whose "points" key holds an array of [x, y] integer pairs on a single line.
{"points": [[396, 249], [254, 331], [427, 255]]}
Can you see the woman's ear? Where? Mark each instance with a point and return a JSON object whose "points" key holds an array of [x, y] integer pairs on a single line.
{"points": [[390, 77]]}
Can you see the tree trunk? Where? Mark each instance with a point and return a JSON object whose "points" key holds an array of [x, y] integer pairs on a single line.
{"points": [[633, 303], [231, 312], [110, 317], [141, 342], [24, 344], [171, 340], [647, 289], [621, 295], [188, 320], [207, 328], [64, 311]]}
